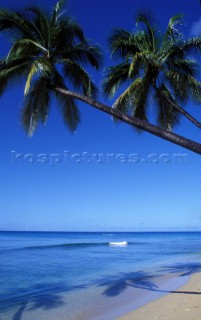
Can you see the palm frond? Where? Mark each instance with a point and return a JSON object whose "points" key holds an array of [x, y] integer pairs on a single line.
{"points": [[185, 86], [56, 11], [172, 33], [192, 45], [23, 47], [133, 100], [41, 26], [123, 43], [147, 21], [136, 65], [179, 85], [71, 114], [168, 115], [142, 90], [126, 100], [114, 77], [67, 34], [32, 72], [42, 67], [171, 53], [84, 53], [12, 73], [195, 89], [45, 67], [79, 78], [13, 21], [186, 66], [36, 106], [179, 50]]}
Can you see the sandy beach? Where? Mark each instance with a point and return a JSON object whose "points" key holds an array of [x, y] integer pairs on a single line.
{"points": [[183, 303]]}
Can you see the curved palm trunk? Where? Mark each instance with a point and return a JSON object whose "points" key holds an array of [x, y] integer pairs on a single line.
{"points": [[155, 130], [188, 116], [184, 112]]}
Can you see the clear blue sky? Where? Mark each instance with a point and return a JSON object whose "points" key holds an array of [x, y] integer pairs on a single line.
{"points": [[92, 196]]}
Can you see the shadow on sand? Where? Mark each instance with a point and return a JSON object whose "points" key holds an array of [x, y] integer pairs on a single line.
{"points": [[116, 285], [185, 269], [42, 296], [146, 281], [48, 296]]}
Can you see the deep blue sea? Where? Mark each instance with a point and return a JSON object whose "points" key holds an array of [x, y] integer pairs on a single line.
{"points": [[72, 276]]}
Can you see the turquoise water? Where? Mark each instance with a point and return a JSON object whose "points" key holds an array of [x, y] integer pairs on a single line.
{"points": [[60, 275]]}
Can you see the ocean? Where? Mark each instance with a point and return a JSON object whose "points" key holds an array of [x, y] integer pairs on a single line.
{"points": [[80, 275]]}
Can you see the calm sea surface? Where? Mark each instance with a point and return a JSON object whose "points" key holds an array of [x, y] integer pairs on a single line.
{"points": [[68, 275]]}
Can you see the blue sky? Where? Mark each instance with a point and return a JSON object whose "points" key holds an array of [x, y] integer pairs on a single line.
{"points": [[138, 184]]}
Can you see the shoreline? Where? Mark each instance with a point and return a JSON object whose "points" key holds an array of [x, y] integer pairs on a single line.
{"points": [[101, 282], [139, 293], [136, 303], [181, 303]]}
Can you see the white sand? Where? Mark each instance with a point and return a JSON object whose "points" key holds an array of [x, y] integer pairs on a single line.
{"points": [[181, 304]]}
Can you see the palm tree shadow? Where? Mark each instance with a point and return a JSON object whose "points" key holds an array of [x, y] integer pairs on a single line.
{"points": [[46, 301], [116, 285], [18, 314], [41, 296], [48, 296], [145, 281], [184, 269]]}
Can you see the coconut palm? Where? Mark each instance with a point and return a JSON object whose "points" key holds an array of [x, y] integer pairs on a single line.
{"points": [[51, 52], [47, 51], [157, 70]]}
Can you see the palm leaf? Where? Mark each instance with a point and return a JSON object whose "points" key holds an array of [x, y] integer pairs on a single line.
{"points": [[178, 83], [125, 101], [83, 53], [133, 100], [186, 66], [40, 66], [185, 86], [142, 90], [56, 11], [32, 72], [41, 26], [172, 33], [71, 114], [179, 50], [36, 106], [65, 36], [79, 78], [195, 89], [192, 45], [13, 21], [114, 77], [136, 65], [123, 43], [22, 47], [146, 19], [12, 73], [168, 115]]}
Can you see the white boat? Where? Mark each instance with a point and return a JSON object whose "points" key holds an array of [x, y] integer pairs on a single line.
{"points": [[119, 244]]}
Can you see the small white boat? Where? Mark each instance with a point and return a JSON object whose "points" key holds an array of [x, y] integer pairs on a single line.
{"points": [[118, 244]]}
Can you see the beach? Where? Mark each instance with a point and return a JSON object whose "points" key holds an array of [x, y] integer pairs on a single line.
{"points": [[183, 303], [81, 276]]}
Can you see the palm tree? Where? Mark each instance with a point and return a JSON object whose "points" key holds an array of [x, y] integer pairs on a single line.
{"points": [[45, 51], [50, 53], [158, 71]]}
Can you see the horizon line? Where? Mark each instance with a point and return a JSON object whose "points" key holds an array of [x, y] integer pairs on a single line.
{"points": [[99, 231]]}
